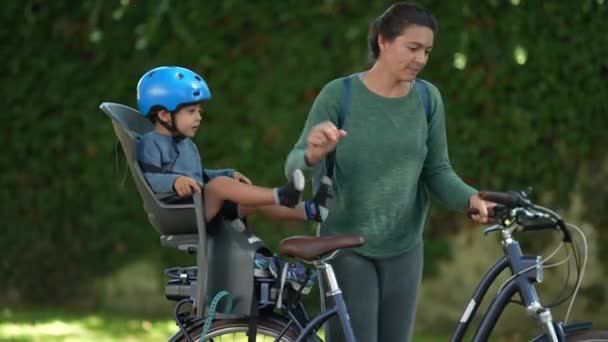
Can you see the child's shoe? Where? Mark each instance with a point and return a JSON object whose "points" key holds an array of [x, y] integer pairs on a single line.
{"points": [[296, 274], [316, 210], [260, 265], [289, 194]]}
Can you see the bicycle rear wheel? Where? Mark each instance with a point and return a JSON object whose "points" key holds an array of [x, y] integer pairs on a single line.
{"points": [[268, 328]]}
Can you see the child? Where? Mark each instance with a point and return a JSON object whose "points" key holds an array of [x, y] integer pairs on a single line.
{"points": [[172, 98]]}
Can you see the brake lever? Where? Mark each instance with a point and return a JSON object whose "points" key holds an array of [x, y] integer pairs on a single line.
{"points": [[553, 221], [492, 228], [565, 231]]}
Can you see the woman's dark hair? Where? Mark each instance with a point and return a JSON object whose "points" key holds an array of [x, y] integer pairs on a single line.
{"points": [[396, 19]]}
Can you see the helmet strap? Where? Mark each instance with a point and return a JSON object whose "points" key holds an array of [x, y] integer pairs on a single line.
{"points": [[175, 133], [167, 126]]}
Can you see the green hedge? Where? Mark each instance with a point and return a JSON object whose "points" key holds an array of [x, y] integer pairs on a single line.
{"points": [[66, 214]]}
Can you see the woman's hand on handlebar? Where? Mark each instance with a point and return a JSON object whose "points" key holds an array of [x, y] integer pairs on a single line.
{"points": [[322, 139], [480, 210]]}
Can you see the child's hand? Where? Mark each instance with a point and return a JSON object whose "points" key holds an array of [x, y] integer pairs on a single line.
{"points": [[240, 177], [185, 186]]}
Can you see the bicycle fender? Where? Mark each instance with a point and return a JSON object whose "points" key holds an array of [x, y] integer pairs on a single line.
{"points": [[567, 329]]}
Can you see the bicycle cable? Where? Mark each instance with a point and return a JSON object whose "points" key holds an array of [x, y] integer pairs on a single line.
{"points": [[561, 298], [530, 268], [177, 318], [579, 274], [560, 301], [555, 302], [568, 257], [582, 270]]}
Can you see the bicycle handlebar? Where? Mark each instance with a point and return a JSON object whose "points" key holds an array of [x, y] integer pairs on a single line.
{"points": [[514, 206], [511, 199]]}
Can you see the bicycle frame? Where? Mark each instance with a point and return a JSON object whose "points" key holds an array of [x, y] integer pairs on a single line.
{"points": [[528, 271], [307, 329]]}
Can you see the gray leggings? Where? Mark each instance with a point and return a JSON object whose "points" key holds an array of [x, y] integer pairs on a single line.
{"points": [[380, 295]]}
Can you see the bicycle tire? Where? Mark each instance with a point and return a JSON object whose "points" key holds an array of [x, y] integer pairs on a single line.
{"points": [[583, 336], [588, 336], [268, 328]]}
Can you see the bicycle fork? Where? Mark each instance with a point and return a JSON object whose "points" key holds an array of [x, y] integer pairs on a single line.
{"points": [[543, 315]]}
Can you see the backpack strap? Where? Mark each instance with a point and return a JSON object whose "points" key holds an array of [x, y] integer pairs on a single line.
{"points": [[345, 106], [423, 90], [342, 112]]}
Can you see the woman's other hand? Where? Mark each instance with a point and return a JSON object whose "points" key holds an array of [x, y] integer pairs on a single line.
{"points": [[322, 139]]}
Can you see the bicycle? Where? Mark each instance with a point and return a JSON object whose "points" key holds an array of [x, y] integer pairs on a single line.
{"points": [[265, 307], [516, 213]]}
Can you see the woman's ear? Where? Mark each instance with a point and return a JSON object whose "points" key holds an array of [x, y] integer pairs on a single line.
{"points": [[382, 42]]}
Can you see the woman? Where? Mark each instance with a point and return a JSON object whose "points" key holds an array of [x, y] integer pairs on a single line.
{"points": [[393, 154]]}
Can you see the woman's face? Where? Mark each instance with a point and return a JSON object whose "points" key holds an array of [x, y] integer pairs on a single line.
{"points": [[407, 54]]}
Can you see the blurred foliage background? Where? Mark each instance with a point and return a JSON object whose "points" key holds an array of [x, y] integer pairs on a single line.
{"points": [[524, 85]]}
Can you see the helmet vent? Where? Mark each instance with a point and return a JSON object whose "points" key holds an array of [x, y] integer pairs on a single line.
{"points": [[152, 74], [179, 76], [197, 93], [197, 78]]}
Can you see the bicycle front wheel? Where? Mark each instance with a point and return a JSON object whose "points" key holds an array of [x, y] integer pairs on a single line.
{"points": [[580, 336], [588, 336], [268, 329]]}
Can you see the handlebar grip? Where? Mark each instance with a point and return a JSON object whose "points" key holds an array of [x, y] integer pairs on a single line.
{"points": [[472, 211], [509, 199], [492, 212]]}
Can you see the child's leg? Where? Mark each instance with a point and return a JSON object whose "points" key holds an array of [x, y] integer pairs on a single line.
{"points": [[220, 189], [305, 211], [274, 212], [313, 210]]}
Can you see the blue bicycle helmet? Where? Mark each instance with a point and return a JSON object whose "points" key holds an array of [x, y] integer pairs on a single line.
{"points": [[170, 87]]}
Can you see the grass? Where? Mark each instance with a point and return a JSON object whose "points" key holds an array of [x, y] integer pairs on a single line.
{"points": [[58, 325]]}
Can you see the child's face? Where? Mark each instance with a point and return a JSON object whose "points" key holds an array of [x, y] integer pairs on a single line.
{"points": [[187, 119]]}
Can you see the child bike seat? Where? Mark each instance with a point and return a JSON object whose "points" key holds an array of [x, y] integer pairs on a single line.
{"points": [[180, 225]]}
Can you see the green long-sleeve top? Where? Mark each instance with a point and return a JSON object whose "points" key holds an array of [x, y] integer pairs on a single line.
{"points": [[384, 166]]}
